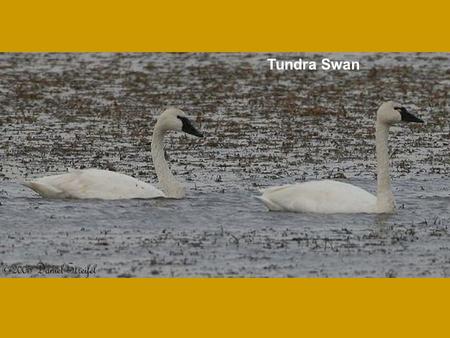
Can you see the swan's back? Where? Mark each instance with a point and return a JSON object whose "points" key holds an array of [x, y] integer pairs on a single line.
{"points": [[93, 183], [320, 197]]}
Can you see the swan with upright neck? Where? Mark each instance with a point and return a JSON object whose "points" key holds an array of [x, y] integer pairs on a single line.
{"points": [[337, 197], [108, 185]]}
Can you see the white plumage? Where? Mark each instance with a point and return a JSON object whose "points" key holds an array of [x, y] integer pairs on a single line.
{"points": [[325, 197], [93, 183], [336, 197], [108, 185]]}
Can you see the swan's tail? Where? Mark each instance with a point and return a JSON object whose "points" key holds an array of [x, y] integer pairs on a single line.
{"points": [[42, 189], [273, 189], [268, 203]]}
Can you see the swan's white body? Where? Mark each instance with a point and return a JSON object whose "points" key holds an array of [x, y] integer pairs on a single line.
{"points": [[319, 197], [93, 183], [336, 197], [108, 185]]}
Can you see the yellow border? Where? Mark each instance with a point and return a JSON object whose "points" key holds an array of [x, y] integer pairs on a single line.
{"points": [[225, 307], [137, 25], [231, 308]]}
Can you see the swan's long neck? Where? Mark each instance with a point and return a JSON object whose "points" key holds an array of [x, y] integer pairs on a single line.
{"points": [[171, 187], [385, 198]]}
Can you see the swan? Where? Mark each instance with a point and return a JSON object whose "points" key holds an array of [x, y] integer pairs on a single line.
{"points": [[329, 196], [108, 185]]}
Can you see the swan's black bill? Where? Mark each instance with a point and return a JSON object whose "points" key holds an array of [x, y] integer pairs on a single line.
{"points": [[188, 127], [407, 116]]}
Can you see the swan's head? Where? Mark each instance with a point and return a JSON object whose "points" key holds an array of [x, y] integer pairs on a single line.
{"points": [[176, 119], [391, 113]]}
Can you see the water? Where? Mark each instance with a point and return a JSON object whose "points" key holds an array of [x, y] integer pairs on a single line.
{"points": [[228, 234], [262, 129]]}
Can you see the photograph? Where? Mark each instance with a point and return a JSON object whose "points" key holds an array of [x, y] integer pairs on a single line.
{"points": [[236, 165]]}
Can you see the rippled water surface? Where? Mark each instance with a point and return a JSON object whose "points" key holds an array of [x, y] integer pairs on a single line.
{"points": [[262, 128]]}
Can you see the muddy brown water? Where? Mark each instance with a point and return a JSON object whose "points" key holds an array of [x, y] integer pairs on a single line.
{"points": [[262, 128]]}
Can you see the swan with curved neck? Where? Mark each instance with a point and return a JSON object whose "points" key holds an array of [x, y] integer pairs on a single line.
{"points": [[108, 185], [337, 197]]}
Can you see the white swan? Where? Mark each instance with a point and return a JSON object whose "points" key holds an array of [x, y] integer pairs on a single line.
{"points": [[336, 197], [104, 184]]}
